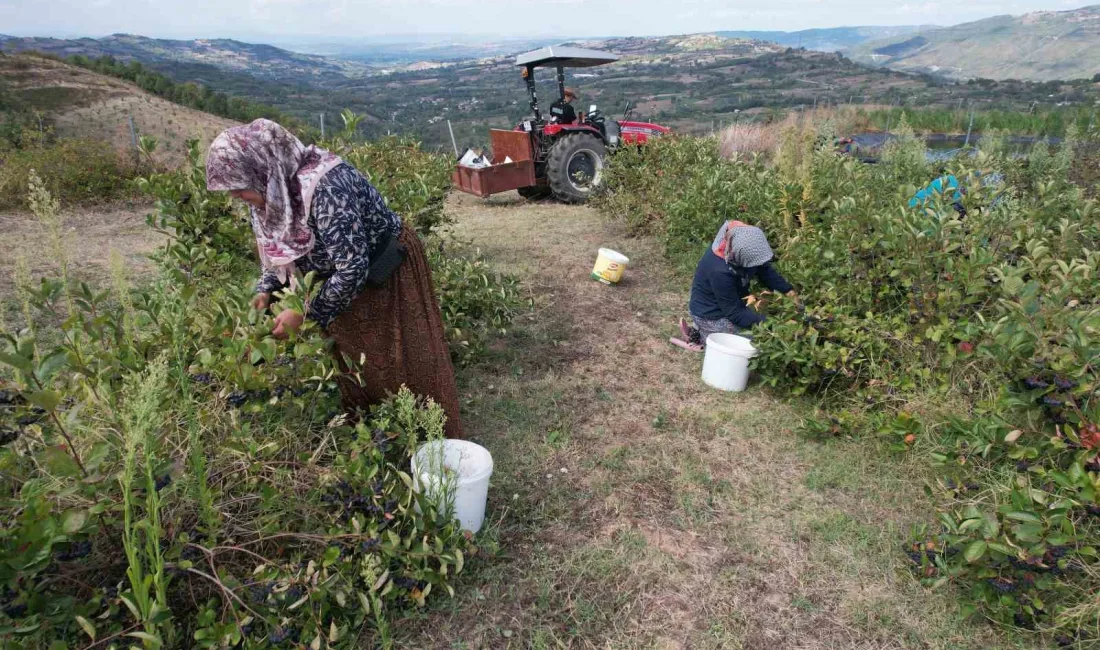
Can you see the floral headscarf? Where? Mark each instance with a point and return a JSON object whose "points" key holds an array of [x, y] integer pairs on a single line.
{"points": [[741, 245], [267, 159]]}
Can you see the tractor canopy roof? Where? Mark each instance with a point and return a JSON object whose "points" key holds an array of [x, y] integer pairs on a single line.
{"points": [[566, 57]]}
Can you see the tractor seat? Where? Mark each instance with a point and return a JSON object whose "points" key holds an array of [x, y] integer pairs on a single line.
{"points": [[612, 132]]}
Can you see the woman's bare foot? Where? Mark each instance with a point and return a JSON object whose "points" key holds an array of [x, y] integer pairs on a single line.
{"points": [[691, 347]]}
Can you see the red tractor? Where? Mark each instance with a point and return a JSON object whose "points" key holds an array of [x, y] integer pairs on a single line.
{"points": [[543, 157]]}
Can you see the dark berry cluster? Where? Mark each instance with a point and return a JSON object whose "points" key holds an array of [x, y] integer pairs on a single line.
{"points": [[8, 606], [1064, 384], [191, 553], [406, 583], [293, 595], [1035, 383], [282, 634], [351, 501], [8, 436], [75, 551], [381, 440], [258, 593], [923, 552], [239, 398], [203, 378], [35, 416], [162, 482], [1002, 585], [962, 487]]}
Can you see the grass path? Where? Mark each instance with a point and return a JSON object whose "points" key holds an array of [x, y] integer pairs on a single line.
{"points": [[632, 507]]}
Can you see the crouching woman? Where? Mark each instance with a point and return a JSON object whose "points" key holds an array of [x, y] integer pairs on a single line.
{"points": [[723, 280]]}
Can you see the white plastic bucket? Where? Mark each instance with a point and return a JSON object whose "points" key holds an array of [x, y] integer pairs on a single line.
{"points": [[726, 363], [610, 266], [457, 472]]}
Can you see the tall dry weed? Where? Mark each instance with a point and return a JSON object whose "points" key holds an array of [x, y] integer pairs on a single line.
{"points": [[744, 139]]}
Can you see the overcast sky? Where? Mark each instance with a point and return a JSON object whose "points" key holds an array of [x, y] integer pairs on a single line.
{"points": [[497, 19]]}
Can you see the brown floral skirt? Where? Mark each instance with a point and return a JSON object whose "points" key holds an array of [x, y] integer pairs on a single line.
{"points": [[397, 332]]}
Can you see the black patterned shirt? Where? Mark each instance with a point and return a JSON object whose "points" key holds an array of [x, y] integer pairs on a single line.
{"points": [[349, 220]]}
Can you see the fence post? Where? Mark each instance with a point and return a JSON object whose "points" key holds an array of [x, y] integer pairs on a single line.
{"points": [[969, 129], [453, 143], [322, 125], [133, 131]]}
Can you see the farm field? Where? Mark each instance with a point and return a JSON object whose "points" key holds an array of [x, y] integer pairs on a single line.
{"points": [[916, 461], [634, 508]]}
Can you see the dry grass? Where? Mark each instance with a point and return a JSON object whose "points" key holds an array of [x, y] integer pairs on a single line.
{"points": [[90, 236], [745, 138], [633, 508]]}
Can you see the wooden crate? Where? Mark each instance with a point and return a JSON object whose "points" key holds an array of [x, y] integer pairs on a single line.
{"points": [[502, 176]]}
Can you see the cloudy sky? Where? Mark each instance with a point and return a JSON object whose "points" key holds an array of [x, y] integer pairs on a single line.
{"points": [[496, 19]]}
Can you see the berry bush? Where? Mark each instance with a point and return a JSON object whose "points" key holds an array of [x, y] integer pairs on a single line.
{"points": [[971, 339], [174, 477]]}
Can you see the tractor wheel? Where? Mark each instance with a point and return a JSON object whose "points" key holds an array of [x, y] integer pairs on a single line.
{"points": [[575, 167], [535, 192]]}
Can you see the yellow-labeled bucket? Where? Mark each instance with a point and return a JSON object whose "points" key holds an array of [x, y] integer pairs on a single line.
{"points": [[609, 266]]}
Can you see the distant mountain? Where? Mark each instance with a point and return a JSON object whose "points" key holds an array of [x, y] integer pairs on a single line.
{"points": [[397, 52], [262, 61], [831, 39], [1041, 46]]}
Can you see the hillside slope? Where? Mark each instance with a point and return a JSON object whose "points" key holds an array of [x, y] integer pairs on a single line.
{"points": [[829, 39], [81, 103], [262, 61], [1041, 46]]}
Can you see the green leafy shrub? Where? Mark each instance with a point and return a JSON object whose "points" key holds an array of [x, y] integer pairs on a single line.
{"points": [[415, 182], [173, 476], [476, 302], [971, 340], [76, 171]]}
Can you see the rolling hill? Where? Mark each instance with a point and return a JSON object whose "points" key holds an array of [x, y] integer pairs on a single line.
{"points": [[80, 103], [1041, 46], [693, 83], [261, 61], [830, 39]]}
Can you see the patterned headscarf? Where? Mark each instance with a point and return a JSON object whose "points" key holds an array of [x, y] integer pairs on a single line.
{"points": [[267, 159], [741, 245]]}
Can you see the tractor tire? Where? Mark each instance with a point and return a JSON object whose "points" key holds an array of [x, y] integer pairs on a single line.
{"points": [[535, 192], [575, 167]]}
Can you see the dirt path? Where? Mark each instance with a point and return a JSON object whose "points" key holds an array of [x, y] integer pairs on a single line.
{"points": [[634, 508]]}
